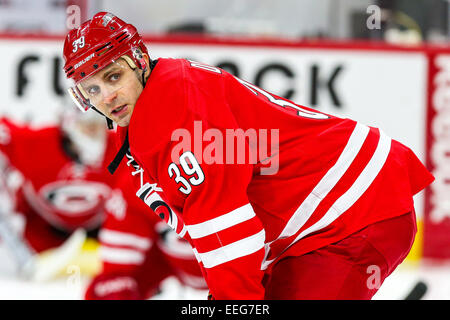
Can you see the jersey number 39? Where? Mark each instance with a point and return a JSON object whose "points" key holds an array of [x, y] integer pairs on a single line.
{"points": [[191, 168]]}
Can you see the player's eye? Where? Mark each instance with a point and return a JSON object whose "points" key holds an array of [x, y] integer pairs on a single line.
{"points": [[93, 90], [114, 76]]}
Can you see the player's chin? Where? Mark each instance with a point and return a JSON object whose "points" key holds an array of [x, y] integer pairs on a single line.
{"points": [[122, 118], [122, 121]]}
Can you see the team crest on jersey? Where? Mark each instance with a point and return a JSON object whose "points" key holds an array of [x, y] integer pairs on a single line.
{"points": [[148, 192], [69, 204], [75, 198]]}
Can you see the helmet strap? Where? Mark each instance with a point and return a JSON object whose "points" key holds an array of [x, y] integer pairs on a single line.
{"points": [[109, 122], [143, 80]]}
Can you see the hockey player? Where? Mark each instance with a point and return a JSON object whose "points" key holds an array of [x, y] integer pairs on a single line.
{"points": [[307, 206]]}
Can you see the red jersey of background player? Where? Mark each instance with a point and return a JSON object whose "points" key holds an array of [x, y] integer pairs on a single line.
{"points": [[59, 194], [316, 178]]}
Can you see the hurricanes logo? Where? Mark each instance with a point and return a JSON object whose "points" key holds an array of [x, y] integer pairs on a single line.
{"points": [[75, 198], [148, 192], [69, 204], [155, 203]]}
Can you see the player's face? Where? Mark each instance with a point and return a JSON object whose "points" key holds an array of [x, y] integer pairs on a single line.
{"points": [[114, 91]]}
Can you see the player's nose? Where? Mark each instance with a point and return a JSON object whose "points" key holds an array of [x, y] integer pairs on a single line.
{"points": [[109, 97]]}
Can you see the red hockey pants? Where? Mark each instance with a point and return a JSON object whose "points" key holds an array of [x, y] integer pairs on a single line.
{"points": [[353, 268]]}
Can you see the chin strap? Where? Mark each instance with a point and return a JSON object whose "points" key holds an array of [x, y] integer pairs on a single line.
{"points": [[153, 64], [109, 123], [112, 167]]}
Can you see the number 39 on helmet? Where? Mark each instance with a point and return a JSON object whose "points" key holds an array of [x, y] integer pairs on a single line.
{"points": [[94, 45]]}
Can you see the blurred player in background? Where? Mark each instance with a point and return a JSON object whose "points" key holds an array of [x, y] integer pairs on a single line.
{"points": [[59, 184], [307, 220], [56, 174], [63, 182]]}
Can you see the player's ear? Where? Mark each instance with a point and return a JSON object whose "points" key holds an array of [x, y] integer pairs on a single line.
{"points": [[147, 61]]}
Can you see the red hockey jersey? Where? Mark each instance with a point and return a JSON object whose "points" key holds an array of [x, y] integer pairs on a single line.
{"points": [[251, 177]]}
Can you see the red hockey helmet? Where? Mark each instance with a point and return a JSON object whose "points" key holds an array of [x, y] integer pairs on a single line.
{"points": [[96, 44]]}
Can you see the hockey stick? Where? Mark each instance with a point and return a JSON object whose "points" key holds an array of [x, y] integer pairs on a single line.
{"points": [[417, 292], [24, 255]]}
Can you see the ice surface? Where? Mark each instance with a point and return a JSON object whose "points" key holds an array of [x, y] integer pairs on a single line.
{"points": [[71, 287]]}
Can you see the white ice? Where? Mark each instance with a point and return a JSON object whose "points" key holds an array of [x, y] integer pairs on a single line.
{"points": [[71, 286]]}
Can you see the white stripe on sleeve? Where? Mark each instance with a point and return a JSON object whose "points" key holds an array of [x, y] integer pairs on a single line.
{"points": [[222, 222], [119, 238], [233, 250], [121, 256]]}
